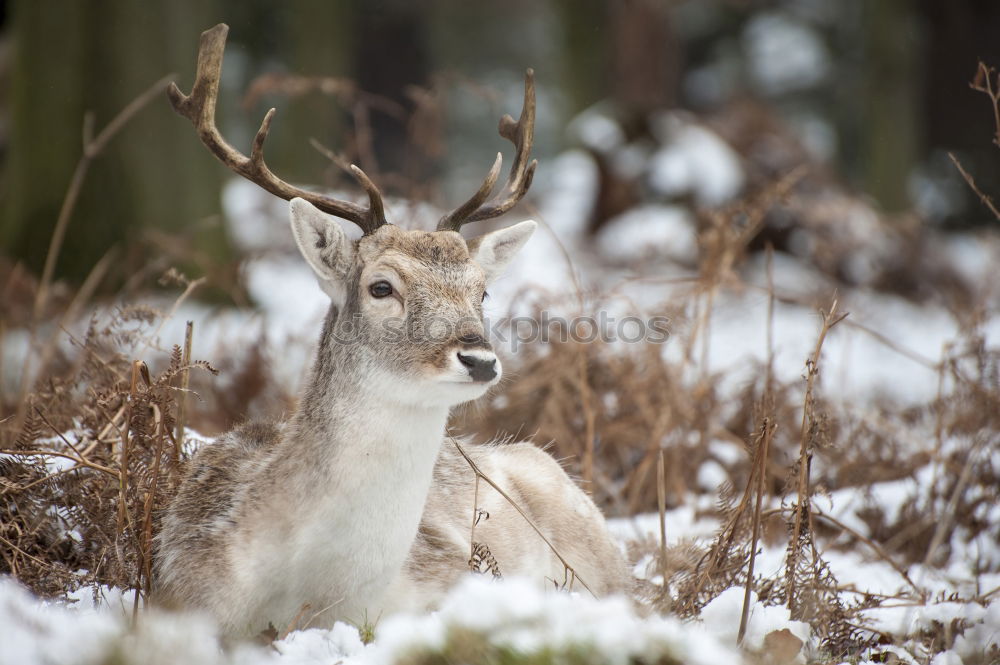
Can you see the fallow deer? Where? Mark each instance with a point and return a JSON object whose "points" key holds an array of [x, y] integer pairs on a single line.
{"points": [[360, 503]]}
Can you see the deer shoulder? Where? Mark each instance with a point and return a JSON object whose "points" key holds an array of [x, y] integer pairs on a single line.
{"points": [[465, 527]]}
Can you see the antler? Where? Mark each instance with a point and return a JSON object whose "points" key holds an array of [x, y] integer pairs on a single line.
{"points": [[519, 133], [199, 108]]}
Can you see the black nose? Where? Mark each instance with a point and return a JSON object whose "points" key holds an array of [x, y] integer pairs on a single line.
{"points": [[480, 369]]}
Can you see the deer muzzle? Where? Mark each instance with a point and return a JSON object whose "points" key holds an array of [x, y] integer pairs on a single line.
{"points": [[481, 364]]}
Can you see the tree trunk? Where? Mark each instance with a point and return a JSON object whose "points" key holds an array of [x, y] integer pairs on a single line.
{"points": [[71, 57], [889, 140]]}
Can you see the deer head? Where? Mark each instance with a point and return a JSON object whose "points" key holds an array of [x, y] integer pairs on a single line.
{"points": [[406, 307]]}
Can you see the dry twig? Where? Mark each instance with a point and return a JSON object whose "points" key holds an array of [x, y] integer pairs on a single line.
{"points": [[489, 481], [803, 500], [984, 198]]}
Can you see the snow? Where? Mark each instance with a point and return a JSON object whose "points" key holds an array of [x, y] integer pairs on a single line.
{"points": [[973, 255], [726, 452], [480, 613], [516, 615], [855, 362], [711, 476], [35, 633], [118, 601], [905, 619], [649, 230], [722, 618], [784, 54], [684, 522], [597, 130], [48, 633], [857, 568], [313, 646], [981, 638], [255, 229], [946, 658], [817, 135], [508, 615], [693, 160]]}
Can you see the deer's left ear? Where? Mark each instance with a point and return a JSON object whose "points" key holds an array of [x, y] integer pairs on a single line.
{"points": [[494, 251]]}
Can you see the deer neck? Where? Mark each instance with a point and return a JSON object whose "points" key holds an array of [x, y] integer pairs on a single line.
{"points": [[361, 445], [355, 469], [356, 425]]}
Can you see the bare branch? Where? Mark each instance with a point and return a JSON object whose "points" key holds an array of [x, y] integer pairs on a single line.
{"points": [[199, 108], [521, 134], [985, 199], [982, 83], [92, 147]]}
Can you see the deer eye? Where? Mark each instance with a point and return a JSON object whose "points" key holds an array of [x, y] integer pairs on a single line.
{"points": [[380, 289]]}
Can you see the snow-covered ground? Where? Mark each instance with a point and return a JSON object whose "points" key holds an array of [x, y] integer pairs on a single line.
{"points": [[921, 601], [480, 617], [483, 618]]}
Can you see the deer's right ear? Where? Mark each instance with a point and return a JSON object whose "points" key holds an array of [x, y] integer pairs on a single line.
{"points": [[325, 247]]}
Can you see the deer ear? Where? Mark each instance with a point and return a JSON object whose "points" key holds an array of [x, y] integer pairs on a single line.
{"points": [[325, 247], [494, 251]]}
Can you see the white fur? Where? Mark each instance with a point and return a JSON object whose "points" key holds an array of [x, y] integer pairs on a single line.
{"points": [[494, 251], [540, 487], [444, 389], [386, 472]]}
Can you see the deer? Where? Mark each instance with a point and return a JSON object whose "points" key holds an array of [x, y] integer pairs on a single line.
{"points": [[360, 503]]}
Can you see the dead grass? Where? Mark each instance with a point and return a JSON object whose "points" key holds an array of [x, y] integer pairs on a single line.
{"points": [[92, 462]]}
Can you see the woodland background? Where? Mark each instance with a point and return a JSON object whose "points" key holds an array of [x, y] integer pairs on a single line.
{"points": [[876, 90]]}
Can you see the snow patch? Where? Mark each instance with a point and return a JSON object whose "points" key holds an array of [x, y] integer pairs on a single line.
{"points": [[721, 618], [784, 54], [650, 231], [693, 160]]}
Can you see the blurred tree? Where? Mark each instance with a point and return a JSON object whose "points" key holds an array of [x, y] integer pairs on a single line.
{"points": [[646, 59], [69, 58], [891, 94], [376, 46], [300, 38], [392, 56], [585, 49], [482, 49]]}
